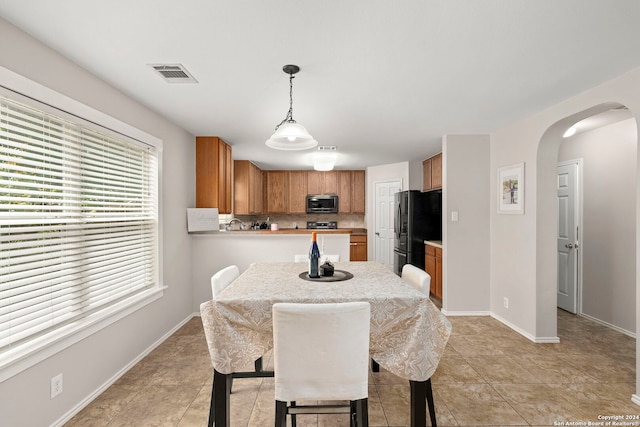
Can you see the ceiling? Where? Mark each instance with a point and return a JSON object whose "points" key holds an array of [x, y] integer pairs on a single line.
{"points": [[381, 80]]}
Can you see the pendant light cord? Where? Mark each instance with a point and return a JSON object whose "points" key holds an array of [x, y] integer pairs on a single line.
{"points": [[289, 116]]}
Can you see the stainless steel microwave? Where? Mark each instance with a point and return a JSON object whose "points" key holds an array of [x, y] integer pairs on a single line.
{"points": [[324, 203]]}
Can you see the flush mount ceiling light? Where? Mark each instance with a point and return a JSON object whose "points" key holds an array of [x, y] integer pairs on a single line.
{"points": [[570, 132], [290, 135], [325, 158]]}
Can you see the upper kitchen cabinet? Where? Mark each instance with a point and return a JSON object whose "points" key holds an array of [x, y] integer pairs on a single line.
{"points": [[277, 188], [213, 174], [344, 191], [432, 173], [358, 185], [322, 182], [248, 188], [297, 192]]}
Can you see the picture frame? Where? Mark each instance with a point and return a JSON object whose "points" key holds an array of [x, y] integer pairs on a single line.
{"points": [[511, 189]]}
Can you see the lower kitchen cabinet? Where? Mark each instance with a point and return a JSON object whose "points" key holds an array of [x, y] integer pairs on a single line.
{"points": [[358, 247], [433, 266]]}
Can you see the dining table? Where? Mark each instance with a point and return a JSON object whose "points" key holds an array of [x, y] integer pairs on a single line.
{"points": [[408, 333]]}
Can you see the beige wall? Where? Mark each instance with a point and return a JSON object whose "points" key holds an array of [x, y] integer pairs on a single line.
{"points": [[91, 363], [466, 241], [608, 236]]}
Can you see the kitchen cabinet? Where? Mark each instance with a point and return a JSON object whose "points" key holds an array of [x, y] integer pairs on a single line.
{"points": [[297, 192], [432, 173], [322, 182], [277, 191], [344, 191], [213, 174], [358, 247], [358, 185], [248, 188], [433, 266]]}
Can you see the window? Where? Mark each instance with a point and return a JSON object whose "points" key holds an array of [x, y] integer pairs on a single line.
{"points": [[78, 225]]}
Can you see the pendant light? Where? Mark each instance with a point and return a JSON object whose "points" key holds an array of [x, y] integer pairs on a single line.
{"points": [[290, 135]]}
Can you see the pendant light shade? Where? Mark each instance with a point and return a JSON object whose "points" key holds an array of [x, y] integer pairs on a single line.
{"points": [[290, 135]]}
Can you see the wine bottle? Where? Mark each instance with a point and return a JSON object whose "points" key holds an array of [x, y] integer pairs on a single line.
{"points": [[314, 257]]}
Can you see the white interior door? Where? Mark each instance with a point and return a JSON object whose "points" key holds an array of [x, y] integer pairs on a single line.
{"points": [[384, 214], [567, 188]]}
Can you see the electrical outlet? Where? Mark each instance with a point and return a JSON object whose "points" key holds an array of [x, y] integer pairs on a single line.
{"points": [[56, 385], [506, 302]]}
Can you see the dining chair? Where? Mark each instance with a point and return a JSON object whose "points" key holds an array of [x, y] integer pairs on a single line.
{"points": [[421, 280], [321, 352], [219, 281]]}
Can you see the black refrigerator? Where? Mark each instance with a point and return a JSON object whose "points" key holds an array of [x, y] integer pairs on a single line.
{"points": [[418, 217]]}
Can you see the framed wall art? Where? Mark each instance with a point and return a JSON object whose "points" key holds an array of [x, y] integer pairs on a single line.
{"points": [[511, 189]]}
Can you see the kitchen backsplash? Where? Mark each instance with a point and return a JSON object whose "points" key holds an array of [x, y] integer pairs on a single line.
{"points": [[290, 221]]}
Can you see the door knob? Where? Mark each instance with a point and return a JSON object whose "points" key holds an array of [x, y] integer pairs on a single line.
{"points": [[569, 245], [377, 234]]}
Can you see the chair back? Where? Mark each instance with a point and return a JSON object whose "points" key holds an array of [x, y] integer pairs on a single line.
{"points": [[419, 278], [223, 278], [321, 351]]}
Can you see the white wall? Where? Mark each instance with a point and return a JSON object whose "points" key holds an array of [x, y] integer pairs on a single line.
{"points": [[89, 364], [466, 241], [608, 236]]}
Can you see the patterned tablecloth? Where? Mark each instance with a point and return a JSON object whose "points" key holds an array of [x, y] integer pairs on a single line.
{"points": [[408, 333]]}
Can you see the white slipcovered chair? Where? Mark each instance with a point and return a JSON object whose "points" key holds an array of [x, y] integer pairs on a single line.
{"points": [[321, 352], [419, 278], [219, 282]]}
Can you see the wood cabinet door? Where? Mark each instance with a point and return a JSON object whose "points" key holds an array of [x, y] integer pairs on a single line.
{"points": [[344, 192], [438, 271], [330, 182], [315, 182], [213, 174], [358, 185], [436, 171], [426, 175], [430, 266], [257, 190], [297, 192], [277, 191], [358, 247], [241, 187]]}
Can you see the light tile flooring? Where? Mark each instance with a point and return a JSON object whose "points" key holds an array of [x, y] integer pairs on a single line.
{"points": [[489, 375]]}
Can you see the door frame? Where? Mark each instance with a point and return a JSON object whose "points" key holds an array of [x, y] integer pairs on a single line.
{"points": [[579, 204], [375, 210]]}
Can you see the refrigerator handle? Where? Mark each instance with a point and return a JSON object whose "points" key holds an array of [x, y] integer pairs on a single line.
{"points": [[397, 223]]}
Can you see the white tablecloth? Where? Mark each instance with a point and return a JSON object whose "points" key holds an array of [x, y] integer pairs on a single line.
{"points": [[408, 333]]}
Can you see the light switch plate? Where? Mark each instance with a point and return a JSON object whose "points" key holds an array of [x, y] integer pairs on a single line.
{"points": [[454, 215]]}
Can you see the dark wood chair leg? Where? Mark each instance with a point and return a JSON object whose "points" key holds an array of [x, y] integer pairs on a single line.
{"points": [[211, 411], [362, 413], [281, 414], [293, 416], [375, 367], [430, 404], [258, 364]]}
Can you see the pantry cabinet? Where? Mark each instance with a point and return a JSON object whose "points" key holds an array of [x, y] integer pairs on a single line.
{"points": [[433, 266], [213, 174]]}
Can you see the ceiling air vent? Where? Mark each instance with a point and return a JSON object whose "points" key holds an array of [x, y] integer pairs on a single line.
{"points": [[174, 73]]}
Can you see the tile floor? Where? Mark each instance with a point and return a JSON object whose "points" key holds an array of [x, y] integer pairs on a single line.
{"points": [[489, 375]]}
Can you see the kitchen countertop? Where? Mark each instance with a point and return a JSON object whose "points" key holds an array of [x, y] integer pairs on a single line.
{"points": [[436, 243]]}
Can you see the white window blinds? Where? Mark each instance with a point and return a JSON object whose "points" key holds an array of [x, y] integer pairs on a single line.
{"points": [[78, 222]]}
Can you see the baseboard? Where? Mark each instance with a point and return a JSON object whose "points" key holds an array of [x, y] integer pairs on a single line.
{"points": [[608, 325], [90, 398], [635, 399], [527, 335], [465, 313]]}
